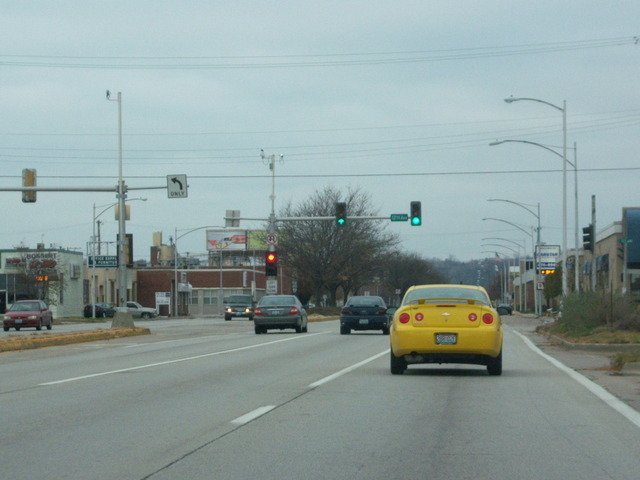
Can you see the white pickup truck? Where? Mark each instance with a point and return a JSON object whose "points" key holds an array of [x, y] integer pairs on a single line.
{"points": [[138, 311]]}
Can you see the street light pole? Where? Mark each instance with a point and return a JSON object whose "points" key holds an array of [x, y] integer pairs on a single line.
{"points": [[562, 109], [124, 319], [564, 199], [95, 242], [536, 294], [519, 228], [175, 263]]}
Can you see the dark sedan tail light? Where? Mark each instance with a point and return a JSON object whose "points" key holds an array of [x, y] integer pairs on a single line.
{"points": [[381, 311], [257, 312], [345, 311], [293, 311]]}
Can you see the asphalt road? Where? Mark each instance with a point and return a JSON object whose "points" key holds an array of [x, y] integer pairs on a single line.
{"points": [[208, 399]]}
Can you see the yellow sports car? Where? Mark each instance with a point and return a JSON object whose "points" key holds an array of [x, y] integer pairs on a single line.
{"points": [[446, 324]]}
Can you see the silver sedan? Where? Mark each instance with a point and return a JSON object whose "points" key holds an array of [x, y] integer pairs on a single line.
{"points": [[280, 311]]}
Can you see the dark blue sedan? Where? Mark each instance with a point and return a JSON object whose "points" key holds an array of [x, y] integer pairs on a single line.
{"points": [[364, 313]]}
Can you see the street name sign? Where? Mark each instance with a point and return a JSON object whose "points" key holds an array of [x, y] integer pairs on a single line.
{"points": [[103, 261], [399, 217]]}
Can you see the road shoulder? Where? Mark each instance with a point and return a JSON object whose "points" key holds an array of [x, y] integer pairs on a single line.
{"points": [[592, 361]]}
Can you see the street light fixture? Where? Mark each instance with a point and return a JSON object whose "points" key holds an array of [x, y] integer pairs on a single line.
{"points": [[562, 109]]}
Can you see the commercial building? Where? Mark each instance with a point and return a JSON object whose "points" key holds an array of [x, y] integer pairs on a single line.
{"points": [[52, 274], [612, 265]]}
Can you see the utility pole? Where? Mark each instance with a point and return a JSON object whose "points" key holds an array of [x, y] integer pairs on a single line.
{"points": [[123, 318], [593, 253]]}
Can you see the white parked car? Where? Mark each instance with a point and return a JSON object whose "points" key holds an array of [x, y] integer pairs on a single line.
{"points": [[138, 311]]}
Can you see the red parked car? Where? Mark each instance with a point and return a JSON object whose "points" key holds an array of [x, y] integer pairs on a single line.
{"points": [[28, 313]]}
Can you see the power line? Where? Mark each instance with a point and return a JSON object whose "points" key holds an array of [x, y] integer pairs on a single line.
{"points": [[343, 175], [303, 60]]}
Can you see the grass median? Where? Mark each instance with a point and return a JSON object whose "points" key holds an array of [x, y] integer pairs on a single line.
{"points": [[12, 343]]}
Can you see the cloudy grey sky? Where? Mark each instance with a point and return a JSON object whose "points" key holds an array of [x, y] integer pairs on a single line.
{"points": [[400, 98]]}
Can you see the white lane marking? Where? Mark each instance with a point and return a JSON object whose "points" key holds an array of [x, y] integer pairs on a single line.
{"points": [[258, 412], [248, 417], [164, 342], [347, 370], [614, 402], [178, 360]]}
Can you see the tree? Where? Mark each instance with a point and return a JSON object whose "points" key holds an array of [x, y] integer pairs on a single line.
{"points": [[402, 270], [553, 285], [326, 257]]}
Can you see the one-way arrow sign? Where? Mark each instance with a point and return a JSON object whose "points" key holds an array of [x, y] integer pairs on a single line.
{"points": [[177, 186]]}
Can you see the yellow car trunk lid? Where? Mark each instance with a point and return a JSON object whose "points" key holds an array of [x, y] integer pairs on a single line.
{"points": [[447, 314]]}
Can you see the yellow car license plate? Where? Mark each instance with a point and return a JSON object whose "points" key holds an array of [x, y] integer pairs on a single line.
{"points": [[446, 338]]}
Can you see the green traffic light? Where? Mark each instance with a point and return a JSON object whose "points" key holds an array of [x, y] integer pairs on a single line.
{"points": [[341, 221], [416, 221]]}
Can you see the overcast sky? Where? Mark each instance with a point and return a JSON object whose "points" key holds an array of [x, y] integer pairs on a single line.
{"points": [[399, 98]]}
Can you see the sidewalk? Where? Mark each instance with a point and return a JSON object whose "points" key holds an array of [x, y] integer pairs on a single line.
{"points": [[592, 361]]}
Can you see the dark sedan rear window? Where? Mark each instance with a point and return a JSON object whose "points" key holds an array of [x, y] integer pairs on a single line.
{"points": [[365, 302]]}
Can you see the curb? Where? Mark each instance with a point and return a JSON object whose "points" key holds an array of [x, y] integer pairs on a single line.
{"points": [[595, 347]]}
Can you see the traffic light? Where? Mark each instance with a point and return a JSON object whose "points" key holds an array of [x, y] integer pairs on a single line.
{"points": [[416, 214], [271, 264], [29, 180], [128, 249], [587, 238], [547, 271], [341, 214]]}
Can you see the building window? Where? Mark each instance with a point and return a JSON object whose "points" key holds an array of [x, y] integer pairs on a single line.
{"points": [[193, 298], [634, 281], [210, 297]]}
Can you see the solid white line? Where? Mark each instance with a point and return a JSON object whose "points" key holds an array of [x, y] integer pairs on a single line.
{"points": [[169, 362], [247, 417], [614, 402], [346, 370]]}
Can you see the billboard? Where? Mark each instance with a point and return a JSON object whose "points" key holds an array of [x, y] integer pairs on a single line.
{"points": [[226, 240]]}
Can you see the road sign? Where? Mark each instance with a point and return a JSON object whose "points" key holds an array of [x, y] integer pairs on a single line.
{"points": [[272, 286], [399, 217], [177, 186], [103, 261], [272, 239]]}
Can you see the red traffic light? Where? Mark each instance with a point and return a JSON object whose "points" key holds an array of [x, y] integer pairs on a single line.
{"points": [[271, 264]]}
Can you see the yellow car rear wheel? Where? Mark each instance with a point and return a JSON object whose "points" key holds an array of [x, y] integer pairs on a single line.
{"points": [[398, 364]]}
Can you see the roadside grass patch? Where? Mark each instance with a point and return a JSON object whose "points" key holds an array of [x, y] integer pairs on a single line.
{"points": [[588, 313], [619, 360], [14, 343]]}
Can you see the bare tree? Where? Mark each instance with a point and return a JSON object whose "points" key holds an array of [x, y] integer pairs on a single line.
{"points": [[326, 257], [402, 270]]}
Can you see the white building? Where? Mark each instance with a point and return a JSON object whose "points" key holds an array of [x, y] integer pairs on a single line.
{"points": [[53, 275]]}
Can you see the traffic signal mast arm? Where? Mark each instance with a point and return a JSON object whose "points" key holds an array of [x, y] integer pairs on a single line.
{"points": [[76, 189], [295, 219]]}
